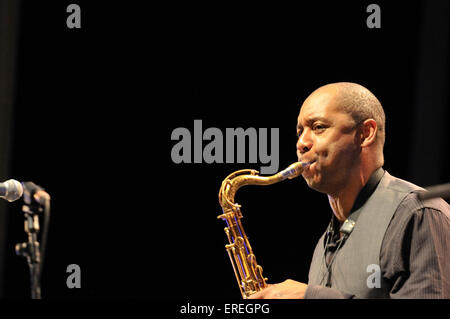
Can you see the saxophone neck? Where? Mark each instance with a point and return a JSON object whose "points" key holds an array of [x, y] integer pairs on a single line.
{"points": [[241, 178]]}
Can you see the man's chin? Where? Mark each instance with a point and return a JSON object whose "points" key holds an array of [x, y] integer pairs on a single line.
{"points": [[314, 184]]}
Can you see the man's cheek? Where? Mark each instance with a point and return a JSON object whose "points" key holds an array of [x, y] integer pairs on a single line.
{"points": [[322, 157]]}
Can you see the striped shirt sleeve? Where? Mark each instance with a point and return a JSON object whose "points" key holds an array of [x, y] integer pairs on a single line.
{"points": [[415, 255]]}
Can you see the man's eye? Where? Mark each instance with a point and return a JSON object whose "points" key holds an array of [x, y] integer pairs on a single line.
{"points": [[319, 127]]}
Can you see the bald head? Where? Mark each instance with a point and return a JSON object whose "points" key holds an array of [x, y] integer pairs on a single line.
{"points": [[357, 101]]}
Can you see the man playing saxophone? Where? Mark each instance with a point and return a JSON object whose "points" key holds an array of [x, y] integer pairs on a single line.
{"points": [[382, 241]]}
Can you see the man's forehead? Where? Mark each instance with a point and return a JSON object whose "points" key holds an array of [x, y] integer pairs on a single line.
{"points": [[312, 111]]}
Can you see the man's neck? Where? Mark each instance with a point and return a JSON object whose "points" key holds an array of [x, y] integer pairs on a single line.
{"points": [[341, 203]]}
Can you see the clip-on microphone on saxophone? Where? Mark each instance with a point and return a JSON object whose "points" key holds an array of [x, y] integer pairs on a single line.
{"points": [[36, 201]]}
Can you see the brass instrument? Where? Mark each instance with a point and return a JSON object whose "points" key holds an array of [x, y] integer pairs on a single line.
{"points": [[248, 273]]}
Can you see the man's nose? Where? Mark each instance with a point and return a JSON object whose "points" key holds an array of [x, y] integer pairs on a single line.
{"points": [[304, 142]]}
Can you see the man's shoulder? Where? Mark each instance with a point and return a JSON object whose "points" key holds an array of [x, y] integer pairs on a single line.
{"points": [[414, 203], [411, 203], [398, 184]]}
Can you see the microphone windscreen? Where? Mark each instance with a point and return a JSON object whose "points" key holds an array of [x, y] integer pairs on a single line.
{"points": [[14, 190]]}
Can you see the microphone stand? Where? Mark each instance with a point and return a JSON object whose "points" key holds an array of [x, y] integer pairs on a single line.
{"points": [[31, 250]]}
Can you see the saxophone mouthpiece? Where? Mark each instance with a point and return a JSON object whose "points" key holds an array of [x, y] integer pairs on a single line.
{"points": [[294, 170]]}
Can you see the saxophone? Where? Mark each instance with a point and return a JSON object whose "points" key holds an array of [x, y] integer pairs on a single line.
{"points": [[248, 273]]}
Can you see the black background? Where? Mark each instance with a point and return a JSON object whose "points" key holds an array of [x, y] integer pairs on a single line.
{"points": [[95, 107]]}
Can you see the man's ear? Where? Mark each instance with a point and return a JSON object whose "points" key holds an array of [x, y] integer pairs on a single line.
{"points": [[368, 132]]}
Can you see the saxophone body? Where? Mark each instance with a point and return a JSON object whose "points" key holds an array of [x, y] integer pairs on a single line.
{"points": [[248, 273]]}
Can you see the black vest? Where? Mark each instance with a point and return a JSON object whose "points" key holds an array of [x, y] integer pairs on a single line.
{"points": [[356, 261]]}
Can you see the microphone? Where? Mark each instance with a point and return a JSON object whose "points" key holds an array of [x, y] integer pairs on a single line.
{"points": [[442, 190], [11, 190]]}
